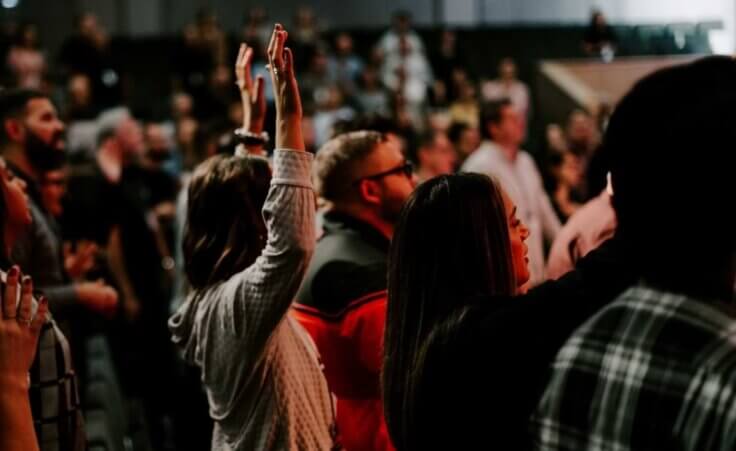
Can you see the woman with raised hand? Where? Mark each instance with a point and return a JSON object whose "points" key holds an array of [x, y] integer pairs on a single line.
{"points": [[260, 369], [50, 382]]}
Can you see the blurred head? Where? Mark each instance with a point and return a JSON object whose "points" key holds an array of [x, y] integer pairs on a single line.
{"points": [[80, 90], [15, 213], [343, 44], [158, 144], [453, 242], [182, 105], [436, 155], [365, 174], [565, 168], [507, 69], [402, 21], [129, 136], [224, 231], [87, 24], [597, 19], [31, 125], [581, 131], [28, 35], [53, 190], [465, 139], [670, 145], [501, 123]]}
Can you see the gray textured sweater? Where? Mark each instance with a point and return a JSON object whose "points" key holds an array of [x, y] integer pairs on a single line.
{"points": [[261, 371]]}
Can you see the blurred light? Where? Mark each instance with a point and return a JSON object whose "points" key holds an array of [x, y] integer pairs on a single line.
{"points": [[10, 3]]}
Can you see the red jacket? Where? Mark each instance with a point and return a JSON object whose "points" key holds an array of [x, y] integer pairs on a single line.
{"points": [[342, 304]]}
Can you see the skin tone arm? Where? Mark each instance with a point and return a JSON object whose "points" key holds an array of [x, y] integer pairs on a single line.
{"points": [[286, 92], [252, 97], [19, 332]]}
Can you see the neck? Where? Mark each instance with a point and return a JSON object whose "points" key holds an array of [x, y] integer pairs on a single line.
{"points": [[18, 158], [384, 227], [509, 150], [424, 173]]}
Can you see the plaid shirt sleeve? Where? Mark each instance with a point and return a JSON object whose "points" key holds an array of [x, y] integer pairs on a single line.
{"points": [[651, 371], [54, 396]]}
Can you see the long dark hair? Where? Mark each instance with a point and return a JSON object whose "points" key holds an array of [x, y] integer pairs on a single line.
{"points": [[224, 231], [451, 244]]}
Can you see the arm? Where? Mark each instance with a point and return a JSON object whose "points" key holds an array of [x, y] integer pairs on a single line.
{"points": [[261, 295], [131, 304], [19, 332], [252, 97]]}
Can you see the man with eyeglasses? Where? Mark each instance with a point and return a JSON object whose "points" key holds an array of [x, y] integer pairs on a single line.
{"points": [[365, 180]]}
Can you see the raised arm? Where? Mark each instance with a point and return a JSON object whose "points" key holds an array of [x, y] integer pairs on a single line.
{"points": [[253, 100], [19, 332], [263, 293]]}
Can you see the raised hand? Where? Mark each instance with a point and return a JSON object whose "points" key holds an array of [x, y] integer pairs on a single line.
{"points": [[286, 92], [78, 263], [19, 327], [252, 96]]}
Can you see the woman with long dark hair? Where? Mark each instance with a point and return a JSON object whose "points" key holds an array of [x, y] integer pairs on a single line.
{"points": [[21, 403], [19, 327], [260, 369], [466, 350]]}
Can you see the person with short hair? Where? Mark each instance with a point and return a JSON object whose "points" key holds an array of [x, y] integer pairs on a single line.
{"points": [[500, 156]]}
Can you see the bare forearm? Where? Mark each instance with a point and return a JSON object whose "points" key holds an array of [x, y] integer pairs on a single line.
{"points": [[16, 422]]}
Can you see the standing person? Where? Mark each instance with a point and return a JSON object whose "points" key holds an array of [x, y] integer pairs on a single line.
{"points": [[461, 335], [365, 179], [25, 60], [508, 86], [244, 273], [656, 368], [53, 388], [31, 141], [500, 157]]}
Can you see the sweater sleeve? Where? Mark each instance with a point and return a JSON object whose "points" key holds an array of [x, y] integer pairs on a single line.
{"points": [[253, 302]]}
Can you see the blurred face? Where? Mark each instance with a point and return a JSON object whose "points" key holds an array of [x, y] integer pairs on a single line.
{"points": [[130, 138], [440, 157], [510, 129], [16, 201], [391, 190], [43, 135], [344, 44], [570, 173], [159, 147], [580, 127], [80, 90], [518, 233], [507, 70], [53, 189]]}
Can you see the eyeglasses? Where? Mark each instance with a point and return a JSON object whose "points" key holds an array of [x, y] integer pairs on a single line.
{"points": [[406, 168]]}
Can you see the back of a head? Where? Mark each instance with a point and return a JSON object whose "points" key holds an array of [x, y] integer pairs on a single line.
{"points": [[337, 162], [670, 143], [225, 232], [451, 244]]}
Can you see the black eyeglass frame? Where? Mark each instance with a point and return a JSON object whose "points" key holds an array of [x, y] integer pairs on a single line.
{"points": [[407, 168]]}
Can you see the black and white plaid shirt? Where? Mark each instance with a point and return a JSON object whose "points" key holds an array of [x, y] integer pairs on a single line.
{"points": [[650, 371], [54, 394]]}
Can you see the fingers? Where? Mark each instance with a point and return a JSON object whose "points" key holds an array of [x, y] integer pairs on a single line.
{"points": [[288, 62], [26, 301], [11, 293], [41, 312], [276, 48], [260, 99]]}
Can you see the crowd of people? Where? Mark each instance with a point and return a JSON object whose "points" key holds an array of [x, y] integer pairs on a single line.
{"points": [[394, 272]]}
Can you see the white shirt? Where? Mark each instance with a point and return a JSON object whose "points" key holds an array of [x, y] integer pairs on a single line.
{"points": [[523, 183]]}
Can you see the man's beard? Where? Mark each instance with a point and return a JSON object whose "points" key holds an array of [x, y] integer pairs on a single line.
{"points": [[44, 156]]}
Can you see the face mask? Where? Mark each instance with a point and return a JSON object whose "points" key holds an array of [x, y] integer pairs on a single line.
{"points": [[43, 156]]}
